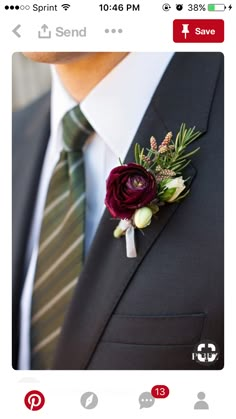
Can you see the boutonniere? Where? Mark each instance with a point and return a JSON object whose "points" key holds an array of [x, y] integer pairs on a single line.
{"points": [[137, 191]]}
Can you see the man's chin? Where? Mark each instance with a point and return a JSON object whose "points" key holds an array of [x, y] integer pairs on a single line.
{"points": [[54, 57]]}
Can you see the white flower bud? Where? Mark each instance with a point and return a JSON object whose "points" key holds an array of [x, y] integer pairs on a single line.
{"points": [[177, 185], [142, 217], [117, 233], [121, 228]]}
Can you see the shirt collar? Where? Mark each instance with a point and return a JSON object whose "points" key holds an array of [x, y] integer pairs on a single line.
{"points": [[116, 105], [61, 102]]}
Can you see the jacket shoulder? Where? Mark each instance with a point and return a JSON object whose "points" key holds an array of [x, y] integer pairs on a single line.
{"points": [[27, 117]]}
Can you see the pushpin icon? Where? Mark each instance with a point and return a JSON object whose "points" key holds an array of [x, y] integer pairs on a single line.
{"points": [[185, 30]]}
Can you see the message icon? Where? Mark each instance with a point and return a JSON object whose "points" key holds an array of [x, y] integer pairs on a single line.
{"points": [[146, 400]]}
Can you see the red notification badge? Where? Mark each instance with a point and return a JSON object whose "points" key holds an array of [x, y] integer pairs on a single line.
{"points": [[160, 391]]}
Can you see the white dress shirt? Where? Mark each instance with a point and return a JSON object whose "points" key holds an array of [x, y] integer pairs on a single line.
{"points": [[114, 108]]}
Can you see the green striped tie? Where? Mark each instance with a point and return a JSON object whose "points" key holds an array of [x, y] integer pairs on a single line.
{"points": [[61, 246]]}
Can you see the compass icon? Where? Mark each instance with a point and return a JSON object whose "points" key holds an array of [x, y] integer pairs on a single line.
{"points": [[89, 400]]}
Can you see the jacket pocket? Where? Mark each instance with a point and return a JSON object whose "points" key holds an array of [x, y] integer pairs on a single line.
{"points": [[182, 329]]}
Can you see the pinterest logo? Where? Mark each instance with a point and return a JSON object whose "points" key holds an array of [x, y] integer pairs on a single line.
{"points": [[34, 400]]}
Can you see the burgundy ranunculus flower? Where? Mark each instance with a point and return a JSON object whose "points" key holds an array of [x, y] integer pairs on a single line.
{"points": [[129, 187]]}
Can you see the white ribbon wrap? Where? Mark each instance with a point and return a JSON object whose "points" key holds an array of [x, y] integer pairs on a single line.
{"points": [[127, 227], [130, 243]]}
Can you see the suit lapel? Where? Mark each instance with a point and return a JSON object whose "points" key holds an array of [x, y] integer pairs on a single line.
{"points": [[184, 95], [29, 142]]}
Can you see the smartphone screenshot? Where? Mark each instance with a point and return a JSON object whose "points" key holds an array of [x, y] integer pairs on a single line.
{"points": [[117, 213]]}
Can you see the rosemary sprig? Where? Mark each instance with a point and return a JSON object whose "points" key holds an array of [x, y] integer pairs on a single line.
{"points": [[171, 154]]}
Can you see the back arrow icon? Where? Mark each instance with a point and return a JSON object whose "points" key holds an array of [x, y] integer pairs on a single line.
{"points": [[15, 31]]}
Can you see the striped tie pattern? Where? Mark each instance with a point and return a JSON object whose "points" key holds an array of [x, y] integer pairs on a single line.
{"points": [[61, 246]]}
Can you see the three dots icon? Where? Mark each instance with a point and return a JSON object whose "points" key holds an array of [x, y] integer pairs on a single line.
{"points": [[113, 30]]}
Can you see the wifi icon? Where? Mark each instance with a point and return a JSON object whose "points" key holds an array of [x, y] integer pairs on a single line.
{"points": [[65, 6]]}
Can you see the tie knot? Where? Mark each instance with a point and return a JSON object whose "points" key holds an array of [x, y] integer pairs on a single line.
{"points": [[76, 129]]}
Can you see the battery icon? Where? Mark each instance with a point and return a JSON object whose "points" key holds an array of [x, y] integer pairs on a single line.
{"points": [[216, 7]]}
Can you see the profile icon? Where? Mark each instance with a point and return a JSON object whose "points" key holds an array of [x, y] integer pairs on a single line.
{"points": [[201, 404]]}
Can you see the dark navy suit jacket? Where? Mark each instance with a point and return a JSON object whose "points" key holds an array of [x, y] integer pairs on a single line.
{"points": [[148, 312]]}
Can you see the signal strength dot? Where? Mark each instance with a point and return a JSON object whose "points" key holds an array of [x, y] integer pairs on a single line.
{"points": [[65, 6], [12, 7]]}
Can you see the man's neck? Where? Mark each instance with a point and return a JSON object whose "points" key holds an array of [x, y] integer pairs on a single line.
{"points": [[80, 77]]}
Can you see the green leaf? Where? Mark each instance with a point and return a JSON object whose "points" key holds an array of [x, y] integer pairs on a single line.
{"points": [[177, 140], [141, 156], [163, 183], [137, 151], [185, 156], [154, 208], [168, 193], [180, 197], [181, 166]]}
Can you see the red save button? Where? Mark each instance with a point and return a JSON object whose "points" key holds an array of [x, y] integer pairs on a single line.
{"points": [[198, 30]]}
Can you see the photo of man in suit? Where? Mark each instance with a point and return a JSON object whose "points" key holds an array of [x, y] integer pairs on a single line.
{"points": [[78, 301]]}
